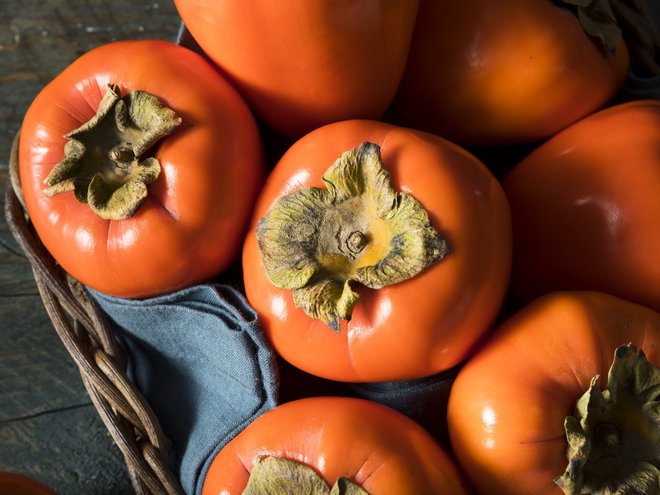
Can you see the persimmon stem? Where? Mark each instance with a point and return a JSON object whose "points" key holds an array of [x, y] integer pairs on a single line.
{"points": [[598, 21], [610, 21], [607, 435], [614, 435], [122, 156], [104, 163], [320, 242], [356, 242]]}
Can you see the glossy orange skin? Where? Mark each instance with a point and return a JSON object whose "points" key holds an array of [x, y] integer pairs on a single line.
{"points": [[490, 73], [192, 224], [585, 208], [18, 484], [421, 326], [508, 404], [378, 448], [304, 63]]}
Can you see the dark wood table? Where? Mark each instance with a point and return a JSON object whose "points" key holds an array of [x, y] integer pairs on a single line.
{"points": [[49, 429]]}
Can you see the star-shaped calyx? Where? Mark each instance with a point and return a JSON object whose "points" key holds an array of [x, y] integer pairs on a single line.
{"points": [[273, 475], [319, 242], [614, 435], [104, 159], [598, 20]]}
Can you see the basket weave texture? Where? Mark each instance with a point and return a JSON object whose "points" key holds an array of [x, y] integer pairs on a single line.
{"points": [[88, 337]]}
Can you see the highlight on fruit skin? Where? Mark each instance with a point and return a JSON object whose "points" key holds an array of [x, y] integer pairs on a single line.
{"points": [[583, 208], [484, 73], [318, 242], [139, 165], [458, 261], [333, 445], [531, 411]]}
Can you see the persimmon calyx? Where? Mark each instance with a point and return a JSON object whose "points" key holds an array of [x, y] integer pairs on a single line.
{"points": [[319, 242], [274, 475], [598, 20], [614, 436], [104, 163]]}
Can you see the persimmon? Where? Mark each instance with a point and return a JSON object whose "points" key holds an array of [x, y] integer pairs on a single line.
{"points": [[585, 209], [139, 166], [306, 446], [20, 484], [304, 63], [377, 253], [536, 408], [492, 73]]}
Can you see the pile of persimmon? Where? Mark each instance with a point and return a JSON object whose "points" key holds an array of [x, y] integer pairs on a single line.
{"points": [[408, 187]]}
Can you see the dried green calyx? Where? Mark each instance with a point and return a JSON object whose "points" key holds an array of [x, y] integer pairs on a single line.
{"points": [[318, 242], [598, 20], [104, 163], [279, 476], [614, 436]]}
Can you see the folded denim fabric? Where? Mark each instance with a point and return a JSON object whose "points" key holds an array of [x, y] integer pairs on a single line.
{"points": [[423, 399], [202, 362], [641, 88]]}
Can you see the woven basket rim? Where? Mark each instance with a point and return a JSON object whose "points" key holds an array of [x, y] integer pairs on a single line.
{"points": [[88, 336]]}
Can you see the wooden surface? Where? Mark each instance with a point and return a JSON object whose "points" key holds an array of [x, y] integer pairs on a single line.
{"points": [[49, 429]]}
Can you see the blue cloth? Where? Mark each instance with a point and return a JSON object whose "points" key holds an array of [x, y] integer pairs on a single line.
{"points": [[202, 362], [423, 399], [641, 88]]}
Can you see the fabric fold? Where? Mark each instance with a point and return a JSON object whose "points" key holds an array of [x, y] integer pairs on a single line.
{"points": [[202, 362]]}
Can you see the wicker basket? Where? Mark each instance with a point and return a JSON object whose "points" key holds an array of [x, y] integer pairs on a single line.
{"points": [[88, 337]]}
